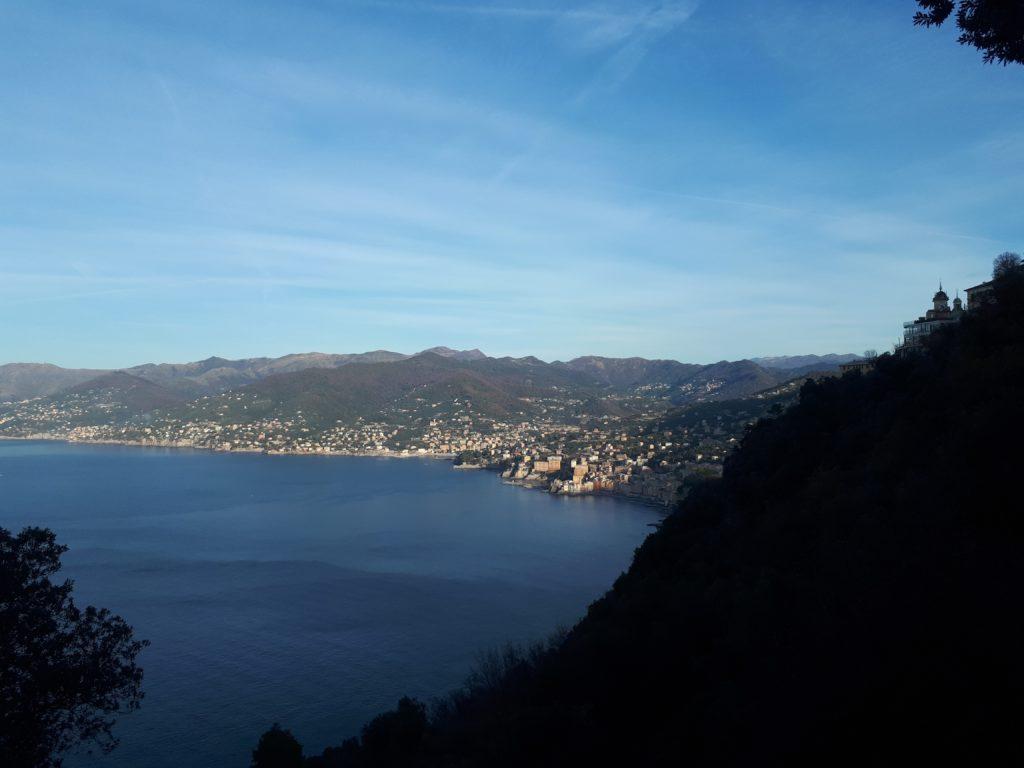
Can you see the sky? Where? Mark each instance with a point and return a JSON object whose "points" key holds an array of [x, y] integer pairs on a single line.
{"points": [[684, 179]]}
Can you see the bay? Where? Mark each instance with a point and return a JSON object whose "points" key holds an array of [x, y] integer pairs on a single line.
{"points": [[310, 591]]}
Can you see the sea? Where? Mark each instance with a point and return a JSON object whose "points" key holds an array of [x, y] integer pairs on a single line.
{"points": [[310, 591]]}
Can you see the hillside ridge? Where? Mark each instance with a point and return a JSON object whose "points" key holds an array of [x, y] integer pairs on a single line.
{"points": [[214, 375]]}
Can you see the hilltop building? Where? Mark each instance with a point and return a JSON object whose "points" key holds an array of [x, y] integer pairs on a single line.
{"points": [[862, 365], [939, 316], [979, 295]]}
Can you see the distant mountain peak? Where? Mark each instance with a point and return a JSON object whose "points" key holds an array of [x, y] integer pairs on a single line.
{"points": [[455, 354]]}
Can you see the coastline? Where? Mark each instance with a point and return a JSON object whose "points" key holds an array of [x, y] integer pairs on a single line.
{"points": [[46, 437]]}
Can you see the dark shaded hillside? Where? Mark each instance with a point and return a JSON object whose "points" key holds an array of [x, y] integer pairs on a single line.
{"points": [[371, 389], [23, 381], [430, 384], [629, 372], [216, 374], [457, 354], [846, 594], [657, 380], [735, 412], [680, 382], [133, 394], [727, 379], [424, 385]]}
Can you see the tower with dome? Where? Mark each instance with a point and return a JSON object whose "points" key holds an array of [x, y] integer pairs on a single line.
{"points": [[940, 315]]}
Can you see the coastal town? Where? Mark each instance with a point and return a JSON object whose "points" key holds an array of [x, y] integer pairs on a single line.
{"points": [[634, 457]]}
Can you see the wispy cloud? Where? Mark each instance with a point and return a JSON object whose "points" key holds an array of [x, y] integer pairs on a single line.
{"points": [[557, 178], [298, 83], [637, 35], [506, 11], [631, 36], [587, 25]]}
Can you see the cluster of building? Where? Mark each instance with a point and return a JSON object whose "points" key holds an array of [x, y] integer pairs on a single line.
{"points": [[607, 454], [42, 413], [625, 474], [939, 316], [942, 315]]}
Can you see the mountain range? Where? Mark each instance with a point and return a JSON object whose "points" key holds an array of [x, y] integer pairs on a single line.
{"points": [[23, 381], [330, 388]]}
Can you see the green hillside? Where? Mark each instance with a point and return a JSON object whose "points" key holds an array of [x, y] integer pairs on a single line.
{"points": [[132, 394], [424, 385], [431, 385]]}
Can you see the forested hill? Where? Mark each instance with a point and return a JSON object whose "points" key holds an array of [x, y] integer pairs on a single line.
{"points": [[848, 593]]}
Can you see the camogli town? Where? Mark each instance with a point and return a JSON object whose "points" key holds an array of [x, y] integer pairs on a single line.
{"points": [[606, 455]]}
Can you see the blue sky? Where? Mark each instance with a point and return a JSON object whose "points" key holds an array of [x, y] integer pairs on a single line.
{"points": [[693, 180]]}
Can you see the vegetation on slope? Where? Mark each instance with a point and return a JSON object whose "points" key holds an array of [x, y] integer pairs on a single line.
{"points": [[132, 394], [844, 595], [326, 395], [65, 672]]}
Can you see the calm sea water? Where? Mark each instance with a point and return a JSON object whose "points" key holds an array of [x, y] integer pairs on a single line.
{"points": [[312, 591]]}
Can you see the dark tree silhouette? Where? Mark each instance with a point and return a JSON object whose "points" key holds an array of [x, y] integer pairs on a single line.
{"points": [[1005, 264], [277, 749], [993, 26], [393, 739], [64, 672]]}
